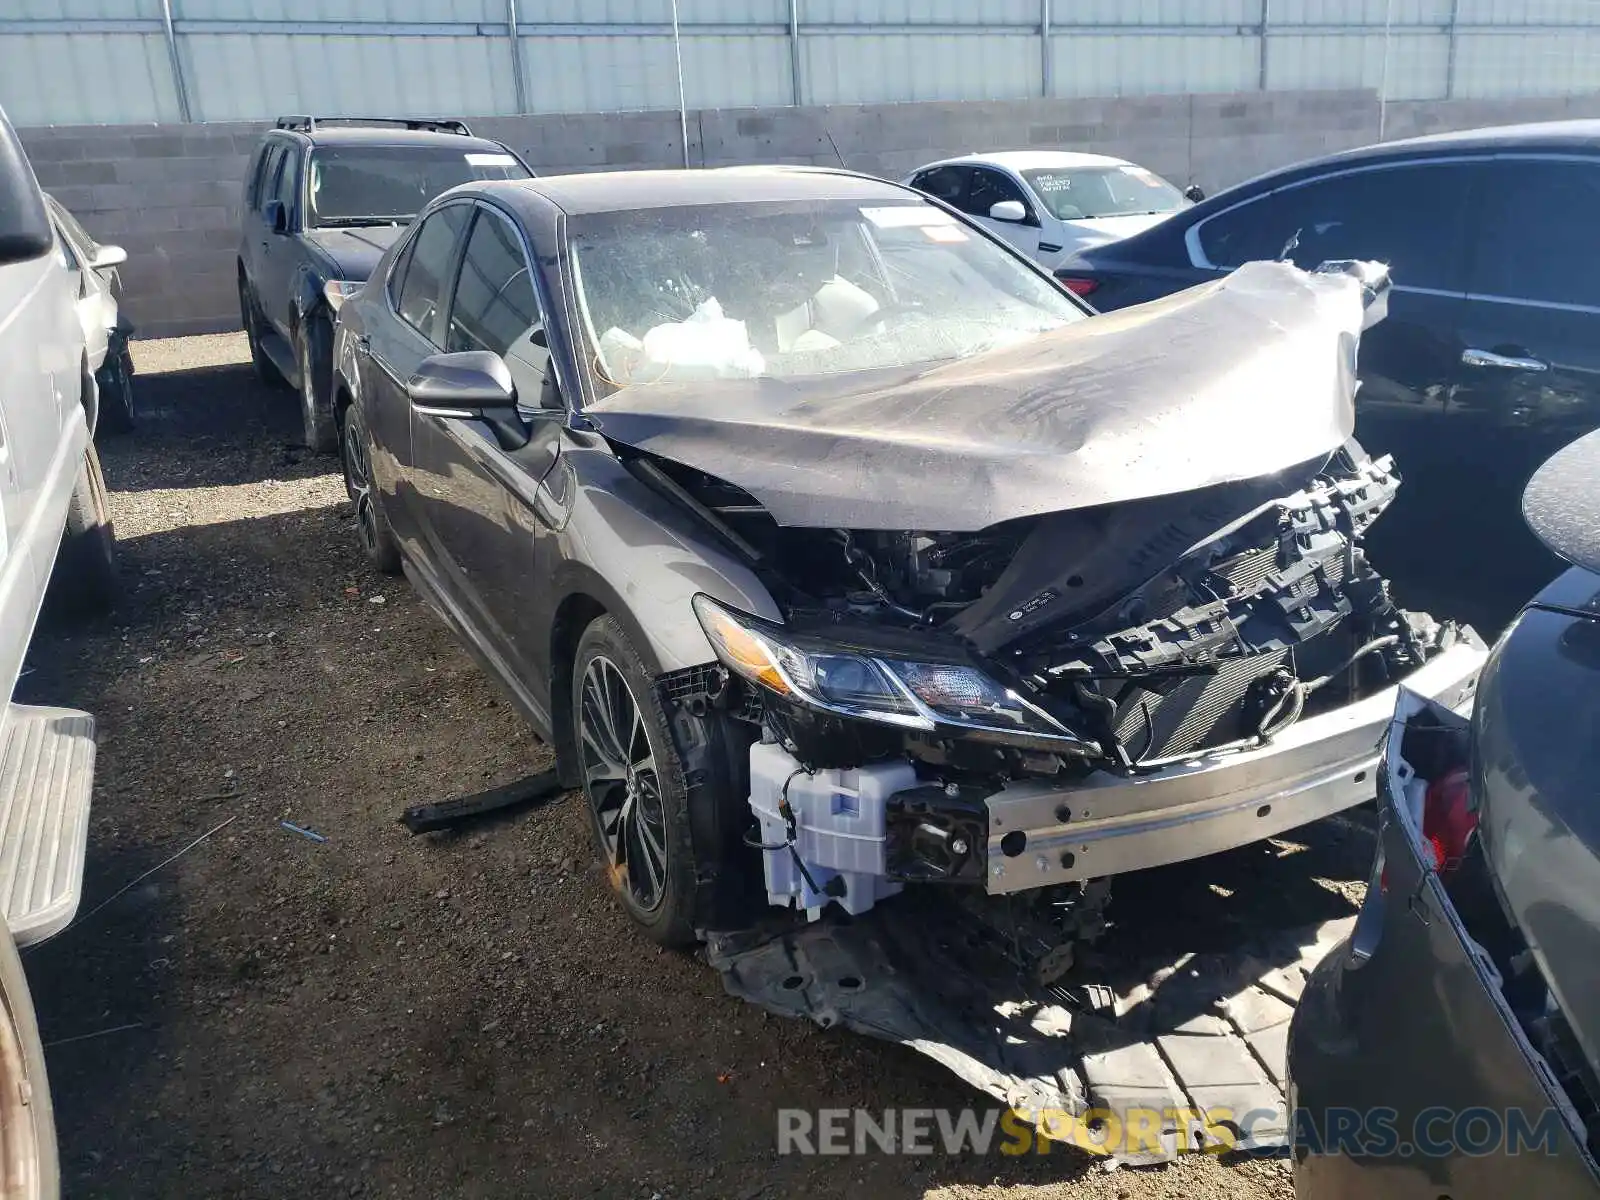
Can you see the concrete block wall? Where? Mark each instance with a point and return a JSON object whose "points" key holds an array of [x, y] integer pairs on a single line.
{"points": [[170, 193]]}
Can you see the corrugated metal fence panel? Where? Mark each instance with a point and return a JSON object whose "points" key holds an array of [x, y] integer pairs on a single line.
{"points": [[79, 10], [1418, 68], [592, 74], [1127, 64], [1399, 13], [871, 68], [237, 77], [651, 12], [1066, 13], [86, 79], [1491, 65], [919, 12], [1528, 12], [352, 11]]}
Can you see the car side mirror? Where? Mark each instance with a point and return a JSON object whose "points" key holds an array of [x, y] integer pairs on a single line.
{"points": [[276, 216], [1194, 193], [467, 383], [473, 385], [108, 256], [1008, 210]]}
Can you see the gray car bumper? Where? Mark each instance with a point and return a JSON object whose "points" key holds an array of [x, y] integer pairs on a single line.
{"points": [[1109, 824]]}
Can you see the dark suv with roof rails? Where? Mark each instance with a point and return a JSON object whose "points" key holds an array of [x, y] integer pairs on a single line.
{"points": [[324, 198]]}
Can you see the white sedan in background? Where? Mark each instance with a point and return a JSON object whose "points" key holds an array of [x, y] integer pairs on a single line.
{"points": [[1052, 203]]}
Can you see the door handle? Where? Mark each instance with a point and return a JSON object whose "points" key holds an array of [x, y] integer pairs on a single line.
{"points": [[1504, 362]]}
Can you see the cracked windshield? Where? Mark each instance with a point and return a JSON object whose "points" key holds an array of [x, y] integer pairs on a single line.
{"points": [[737, 291]]}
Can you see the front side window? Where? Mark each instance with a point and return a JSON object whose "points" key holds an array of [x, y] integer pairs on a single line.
{"points": [[495, 307], [271, 166], [1540, 237], [428, 267], [802, 288], [1410, 217], [987, 189], [1084, 193], [287, 191], [376, 185]]}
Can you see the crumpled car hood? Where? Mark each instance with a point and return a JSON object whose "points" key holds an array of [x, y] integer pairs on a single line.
{"points": [[1223, 382]]}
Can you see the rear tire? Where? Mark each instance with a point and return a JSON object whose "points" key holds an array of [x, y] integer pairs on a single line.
{"points": [[266, 370], [28, 1149], [672, 851], [85, 578], [314, 353], [372, 528]]}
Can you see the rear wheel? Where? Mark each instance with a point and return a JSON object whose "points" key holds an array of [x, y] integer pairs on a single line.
{"points": [[314, 350], [85, 578], [266, 370], [28, 1156], [671, 854], [377, 541]]}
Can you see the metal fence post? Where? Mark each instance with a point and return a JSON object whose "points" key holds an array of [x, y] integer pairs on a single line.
{"points": [[1261, 34], [178, 84], [1047, 69], [795, 68], [518, 76], [1450, 52]]}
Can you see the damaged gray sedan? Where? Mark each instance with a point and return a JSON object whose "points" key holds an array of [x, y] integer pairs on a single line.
{"points": [[840, 553]]}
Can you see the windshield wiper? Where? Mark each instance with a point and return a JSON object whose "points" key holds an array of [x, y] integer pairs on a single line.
{"points": [[344, 222]]}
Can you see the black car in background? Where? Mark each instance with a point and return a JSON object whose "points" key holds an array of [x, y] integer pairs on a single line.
{"points": [[1452, 1046], [323, 199], [1490, 356]]}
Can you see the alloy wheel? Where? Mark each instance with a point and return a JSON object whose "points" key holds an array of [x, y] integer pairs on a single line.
{"points": [[622, 783], [358, 480]]}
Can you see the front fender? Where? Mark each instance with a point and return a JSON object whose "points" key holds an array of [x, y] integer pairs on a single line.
{"points": [[306, 301], [643, 558]]}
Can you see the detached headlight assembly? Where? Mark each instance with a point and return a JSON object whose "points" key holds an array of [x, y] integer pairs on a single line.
{"points": [[912, 695]]}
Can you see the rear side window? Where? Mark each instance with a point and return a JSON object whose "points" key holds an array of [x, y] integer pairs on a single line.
{"points": [[427, 271], [1540, 227], [1411, 217], [495, 307]]}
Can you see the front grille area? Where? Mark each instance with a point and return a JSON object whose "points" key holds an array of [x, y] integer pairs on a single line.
{"points": [[1206, 710]]}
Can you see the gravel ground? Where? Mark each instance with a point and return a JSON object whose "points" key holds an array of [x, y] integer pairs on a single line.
{"points": [[459, 1015]]}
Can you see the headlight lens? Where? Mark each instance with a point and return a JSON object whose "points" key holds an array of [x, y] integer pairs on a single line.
{"points": [[893, 691]]}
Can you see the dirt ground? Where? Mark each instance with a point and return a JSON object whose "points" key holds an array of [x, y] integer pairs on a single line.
{"points": [[459, 1015]]}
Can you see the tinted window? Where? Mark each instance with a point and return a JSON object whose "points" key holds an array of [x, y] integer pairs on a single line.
{"points": [[987, 189], [494, 305], [945, 183], [426, 276], [288, 186], [357, 185], [270, 166], [1412, 218], [1540, 232]]}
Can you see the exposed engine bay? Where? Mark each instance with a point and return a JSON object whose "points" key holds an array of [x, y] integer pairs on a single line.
{"points": [[939, 702]]}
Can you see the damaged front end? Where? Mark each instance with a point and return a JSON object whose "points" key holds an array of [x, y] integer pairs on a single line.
{"points": [[1153, 654]]}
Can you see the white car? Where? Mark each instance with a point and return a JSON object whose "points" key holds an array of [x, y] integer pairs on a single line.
{"points": [[1052, 203]]}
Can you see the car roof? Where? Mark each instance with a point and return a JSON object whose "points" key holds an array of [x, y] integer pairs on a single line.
{"points": [[1539, 135], [619, 191], [1035, 160], [380, 135]]}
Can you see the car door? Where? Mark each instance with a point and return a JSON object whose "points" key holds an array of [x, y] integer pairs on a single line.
{"points": [[280, 251], [988, 187], [1412, 216], [483, 509], [406, 326], [1531, 326], [258, 229]]}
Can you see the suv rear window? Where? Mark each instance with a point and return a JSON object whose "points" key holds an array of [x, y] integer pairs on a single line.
{"points": [[366, 185]]}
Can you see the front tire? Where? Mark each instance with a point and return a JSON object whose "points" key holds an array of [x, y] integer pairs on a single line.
{"points": [[671, 850], [85, 578], [314, 353], [377, 540]]}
